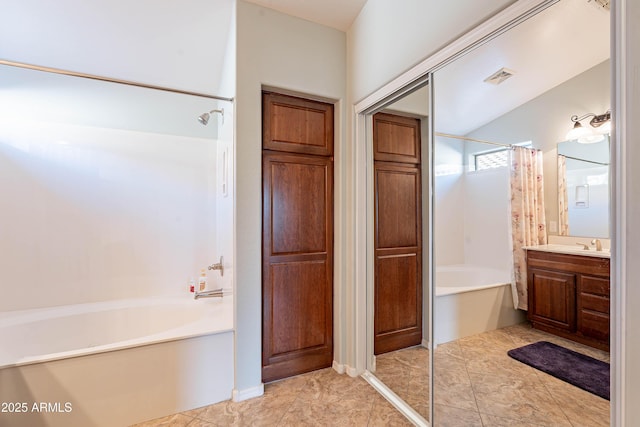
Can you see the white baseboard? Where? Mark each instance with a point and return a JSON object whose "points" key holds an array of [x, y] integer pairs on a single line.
{"points": [[249, 393], [352, 372], [426, 344], [345, 369], [339, 367]]}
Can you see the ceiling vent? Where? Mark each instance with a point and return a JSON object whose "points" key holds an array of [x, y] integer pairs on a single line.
{"points": [[601, 4], [499, 76]]}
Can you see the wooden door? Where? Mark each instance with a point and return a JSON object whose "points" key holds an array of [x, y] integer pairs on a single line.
{"points": [[297, 266], [398, 238]]}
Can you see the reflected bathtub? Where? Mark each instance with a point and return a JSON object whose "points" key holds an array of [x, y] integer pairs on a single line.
{"points": [[470, 300], [115, 363]]}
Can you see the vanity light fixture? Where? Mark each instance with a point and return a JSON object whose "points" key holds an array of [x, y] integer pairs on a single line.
{"points": [[599, 126]]}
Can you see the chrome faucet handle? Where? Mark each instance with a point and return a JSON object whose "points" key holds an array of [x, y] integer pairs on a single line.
{"points": [[598, 244], [218, 266], [585, 247]]}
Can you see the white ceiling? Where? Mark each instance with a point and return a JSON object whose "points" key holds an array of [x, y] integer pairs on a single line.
{"points": [[338, 14], [552, 47]]}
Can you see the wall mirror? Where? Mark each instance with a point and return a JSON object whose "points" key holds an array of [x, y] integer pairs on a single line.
{"points": [[583, 188], [501, 93]]}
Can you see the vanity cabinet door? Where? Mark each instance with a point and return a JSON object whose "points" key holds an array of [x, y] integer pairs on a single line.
{"points": [[593, 307], [552, 299]]}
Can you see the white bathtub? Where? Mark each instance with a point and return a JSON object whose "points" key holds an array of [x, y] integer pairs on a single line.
{"points": [[470, 300], [115, 363]]}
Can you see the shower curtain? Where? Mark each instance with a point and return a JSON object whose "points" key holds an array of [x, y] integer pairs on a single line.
{"points": [[563, 197], [527, 215]]}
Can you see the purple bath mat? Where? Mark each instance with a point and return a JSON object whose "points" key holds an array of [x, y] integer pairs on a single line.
{"points": [[575, 368]]}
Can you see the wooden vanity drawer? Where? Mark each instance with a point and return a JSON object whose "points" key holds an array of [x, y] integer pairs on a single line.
{"points": [[594, 302], [594, 285], [594, 325]]}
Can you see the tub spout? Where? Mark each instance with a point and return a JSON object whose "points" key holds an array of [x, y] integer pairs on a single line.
{"points": [[213, 293]]}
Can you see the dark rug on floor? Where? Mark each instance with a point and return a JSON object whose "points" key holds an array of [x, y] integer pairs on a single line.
{"points": [[575, 368]]}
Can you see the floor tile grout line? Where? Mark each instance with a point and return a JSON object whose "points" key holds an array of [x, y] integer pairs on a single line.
{"points": [[551, 394], [475, 398], [373, 402], [557, 402], [190, 422], [286, 411]]}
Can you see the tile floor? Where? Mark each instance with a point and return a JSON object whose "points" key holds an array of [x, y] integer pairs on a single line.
{"points": [[476, 384], [321, 398]]}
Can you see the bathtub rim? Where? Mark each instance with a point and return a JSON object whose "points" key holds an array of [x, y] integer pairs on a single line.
{"points": [[444, 290], [182, 332]]}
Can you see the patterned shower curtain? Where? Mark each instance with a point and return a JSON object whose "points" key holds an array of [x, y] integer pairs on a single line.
{"points": [[563, 196], [527, 215]]}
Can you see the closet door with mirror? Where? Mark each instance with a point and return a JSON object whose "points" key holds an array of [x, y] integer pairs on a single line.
{"points": [[502, 92], [399, 330], [505, 93]]}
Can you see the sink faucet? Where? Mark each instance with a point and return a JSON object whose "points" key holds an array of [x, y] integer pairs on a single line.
{"points": [[598, 244], [585, 247], [213, 293]]}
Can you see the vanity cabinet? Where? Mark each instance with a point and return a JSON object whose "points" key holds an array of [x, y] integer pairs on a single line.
{"points": [[569, 296]]}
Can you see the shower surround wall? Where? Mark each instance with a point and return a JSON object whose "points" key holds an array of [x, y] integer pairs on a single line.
{"points": [[471, 210], [125, 217], [93, 214]]}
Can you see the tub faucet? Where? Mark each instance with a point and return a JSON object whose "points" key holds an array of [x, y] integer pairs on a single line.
{"points": [[598, 244], [213, 293]]}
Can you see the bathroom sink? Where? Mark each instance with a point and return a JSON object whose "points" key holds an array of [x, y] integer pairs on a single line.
{"points": [[568, 249]]}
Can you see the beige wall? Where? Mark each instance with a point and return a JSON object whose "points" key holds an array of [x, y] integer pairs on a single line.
{"points": [[278, 51], [389, 37], [545, 120]]}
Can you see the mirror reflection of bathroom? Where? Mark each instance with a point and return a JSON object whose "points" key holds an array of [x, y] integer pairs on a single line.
{"points": [[499, 112], [583, 188], [399, 328]]}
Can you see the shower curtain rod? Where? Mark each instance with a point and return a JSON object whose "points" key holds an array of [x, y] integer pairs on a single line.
{"points": [[584, 160], [110, 80], [466, 138]]}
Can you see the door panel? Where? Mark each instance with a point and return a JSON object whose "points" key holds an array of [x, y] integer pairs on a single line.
{"points": [[393, 314], [396, 138], [552, 298], [298, 210], [296, 125], [297, 264], [397, 206], [298, 302]]}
